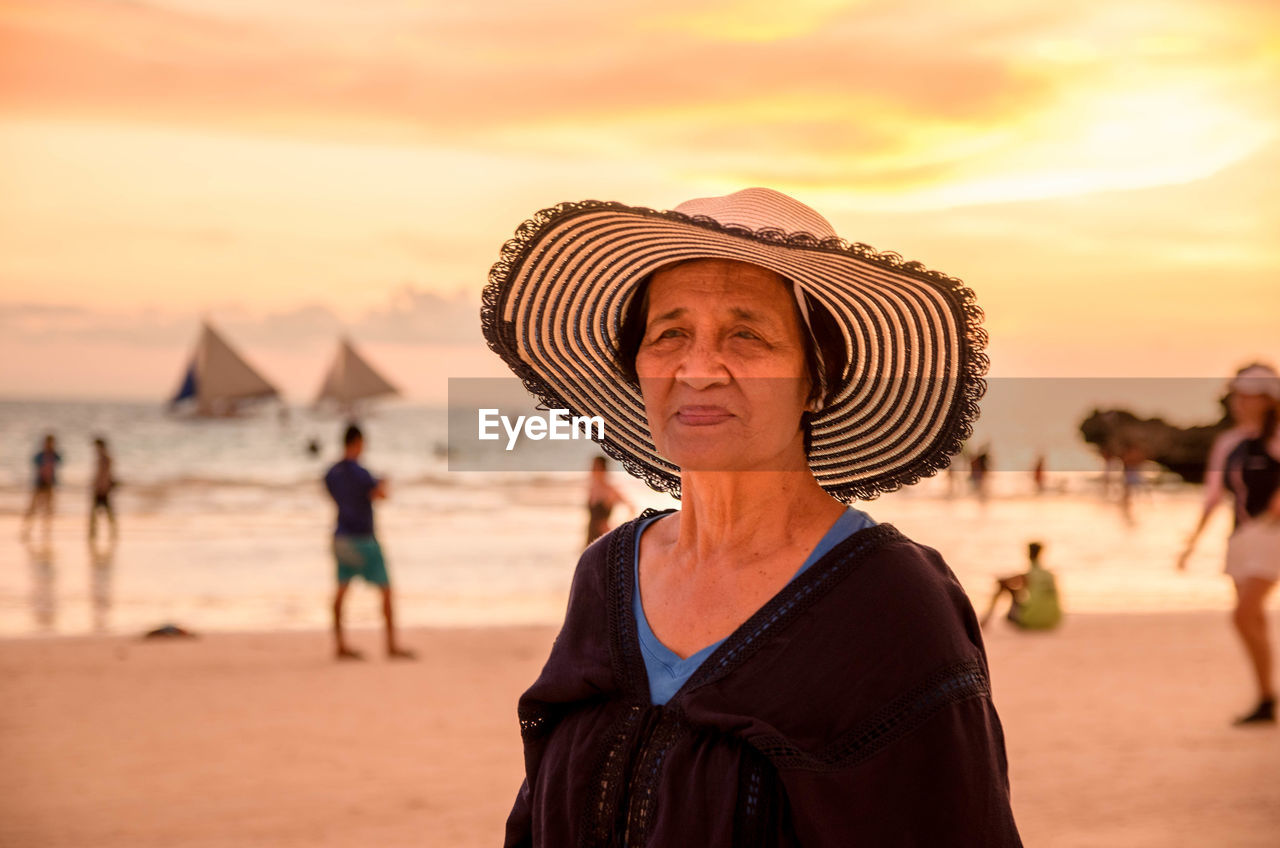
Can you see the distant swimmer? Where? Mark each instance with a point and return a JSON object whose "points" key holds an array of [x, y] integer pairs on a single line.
{"points": [[1245, 460], [104, 483], [1033, 595], [602, 497], [44, 482], [355, 548]]}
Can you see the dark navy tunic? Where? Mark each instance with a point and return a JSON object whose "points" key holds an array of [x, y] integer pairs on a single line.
{"points": [[853, 709]]}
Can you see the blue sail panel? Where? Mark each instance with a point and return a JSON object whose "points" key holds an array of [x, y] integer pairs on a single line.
{"points": [[188, 387]]}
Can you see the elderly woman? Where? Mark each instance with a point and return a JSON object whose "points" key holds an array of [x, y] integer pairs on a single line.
{"points": [[1245, 459], [764, 666]]}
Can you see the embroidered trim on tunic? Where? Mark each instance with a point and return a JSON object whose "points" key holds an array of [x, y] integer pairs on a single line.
{"points": [[644, 795], [755, 813], [624, 647], [613, 759], [896, 719]]}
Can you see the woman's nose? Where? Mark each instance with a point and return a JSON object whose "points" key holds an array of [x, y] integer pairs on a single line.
{"points": [[702, 367]]}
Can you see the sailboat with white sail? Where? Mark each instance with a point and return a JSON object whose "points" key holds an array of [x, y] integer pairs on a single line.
{"points": [[219, 381], [351, 382]]}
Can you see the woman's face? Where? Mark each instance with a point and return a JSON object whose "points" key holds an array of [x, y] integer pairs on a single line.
{"points": [[1248, 409], [722, 368]]}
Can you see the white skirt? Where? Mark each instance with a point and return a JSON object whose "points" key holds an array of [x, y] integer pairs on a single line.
{"points": [[1254, 550]]}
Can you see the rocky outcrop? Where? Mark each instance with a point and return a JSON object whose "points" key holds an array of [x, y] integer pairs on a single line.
{"points": [[1119, 434]]}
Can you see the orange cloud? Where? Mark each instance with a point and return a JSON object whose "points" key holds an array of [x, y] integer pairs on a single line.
{"points": [[915, 103]]}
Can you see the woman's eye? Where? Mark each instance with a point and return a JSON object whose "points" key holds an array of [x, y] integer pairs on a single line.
{"points": [[745, 334]]}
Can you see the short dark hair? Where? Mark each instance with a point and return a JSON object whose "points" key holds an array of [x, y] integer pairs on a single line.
{"points": [[351, 434], [1034, 549], [631, 332], [831, 355], [100, 442]]}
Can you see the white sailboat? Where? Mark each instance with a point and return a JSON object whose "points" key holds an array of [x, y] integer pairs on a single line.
{"points": [[351, 381], [218, 381]]}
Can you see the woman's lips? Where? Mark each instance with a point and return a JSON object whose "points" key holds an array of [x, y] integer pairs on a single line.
{"points": [[702, 416]]}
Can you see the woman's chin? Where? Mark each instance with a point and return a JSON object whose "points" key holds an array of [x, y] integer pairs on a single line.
{"points": [[700, 450], [722, 460]]}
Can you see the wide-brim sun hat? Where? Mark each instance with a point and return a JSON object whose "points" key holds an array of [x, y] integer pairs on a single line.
{"points": [[1256, 379], [913, 376]]}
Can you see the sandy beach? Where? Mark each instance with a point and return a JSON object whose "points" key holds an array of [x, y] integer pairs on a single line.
{"points": [[1116, 727]]}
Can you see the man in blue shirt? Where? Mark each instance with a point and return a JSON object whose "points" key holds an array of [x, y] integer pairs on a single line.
{"points": [[355, 548]]}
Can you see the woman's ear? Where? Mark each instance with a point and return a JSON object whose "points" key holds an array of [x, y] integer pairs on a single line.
{"points": [[814, 402]]}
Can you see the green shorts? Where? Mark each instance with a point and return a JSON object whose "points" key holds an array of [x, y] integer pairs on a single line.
{"points": [[360, 556]]}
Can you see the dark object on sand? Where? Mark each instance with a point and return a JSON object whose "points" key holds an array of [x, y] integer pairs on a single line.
{"points": [[1182, 450], [169, 631], [1264, 713]]}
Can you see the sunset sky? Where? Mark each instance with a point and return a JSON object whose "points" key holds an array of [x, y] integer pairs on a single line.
{"points": [[1105, 175]]}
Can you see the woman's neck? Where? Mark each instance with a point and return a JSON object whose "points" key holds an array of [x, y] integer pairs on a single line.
{"points": [[728, 513]]}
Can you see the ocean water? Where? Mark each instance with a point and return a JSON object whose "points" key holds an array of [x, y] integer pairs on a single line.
{"points": [[154, 449], [224, 525]]}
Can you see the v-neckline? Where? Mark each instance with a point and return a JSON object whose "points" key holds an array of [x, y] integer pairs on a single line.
{"points": [[812, 583]]}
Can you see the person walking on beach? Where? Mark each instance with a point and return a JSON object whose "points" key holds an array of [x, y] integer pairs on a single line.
{"points": [[978, 468], [355, 548], [602, 497], [1246, 460], [1038, 476], [103, 484], [1033, 595], [46, 464], [1131, 460]]}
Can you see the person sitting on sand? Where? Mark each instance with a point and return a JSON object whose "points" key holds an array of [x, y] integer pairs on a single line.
{"points": [[355, 548], [1033, 595]]}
